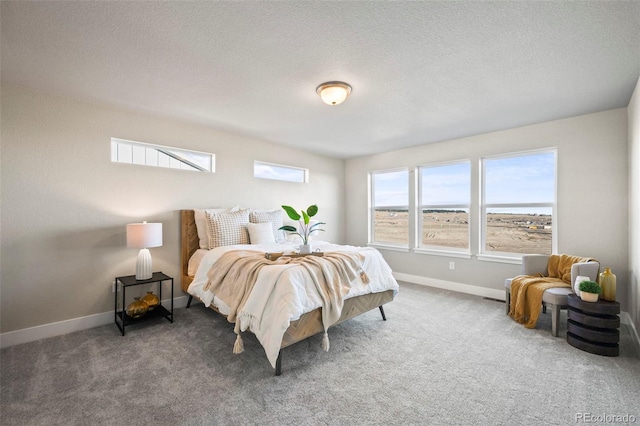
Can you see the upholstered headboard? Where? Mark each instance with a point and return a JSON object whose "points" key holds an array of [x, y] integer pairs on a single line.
{"points": [[189, 243]]}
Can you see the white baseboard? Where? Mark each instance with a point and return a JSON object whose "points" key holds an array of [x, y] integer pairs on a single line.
{"points": [[625, 318], [32, 334], [450, 285]]}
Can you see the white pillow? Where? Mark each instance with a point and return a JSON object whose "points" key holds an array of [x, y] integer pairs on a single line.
{"points": [[261, 233], [576, 285], [228, 228], [274, 217], [202, 226]]}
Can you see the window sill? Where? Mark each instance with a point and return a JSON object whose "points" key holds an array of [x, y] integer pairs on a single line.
{"points": [[388, 247], [500, 259], [458, 254]]}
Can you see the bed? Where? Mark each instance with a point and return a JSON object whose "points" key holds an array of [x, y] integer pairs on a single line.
{"points": [[196, 262]]}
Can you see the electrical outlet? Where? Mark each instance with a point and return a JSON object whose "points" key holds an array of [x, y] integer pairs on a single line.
{"points": [[113, 286], [452, 265]]}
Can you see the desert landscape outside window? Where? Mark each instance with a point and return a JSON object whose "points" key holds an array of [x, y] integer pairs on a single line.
{"points": [[519, 199], [389, 203], [445, 196]]}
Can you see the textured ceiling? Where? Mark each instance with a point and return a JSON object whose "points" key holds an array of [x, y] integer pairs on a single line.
{"points": [[421, 72]]}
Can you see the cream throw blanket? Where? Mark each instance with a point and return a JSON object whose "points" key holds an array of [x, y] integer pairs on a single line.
{"points": [[526, 290], [234, 275]]}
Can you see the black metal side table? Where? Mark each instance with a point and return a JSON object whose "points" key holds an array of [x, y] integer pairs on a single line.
{"points": [[122, 319], [593, 326]]}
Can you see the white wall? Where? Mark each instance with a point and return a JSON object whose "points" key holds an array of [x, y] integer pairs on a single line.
{"points": [[65, 205], [592, 192], [634, 207]]}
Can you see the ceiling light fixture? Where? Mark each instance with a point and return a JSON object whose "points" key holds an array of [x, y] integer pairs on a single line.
{"points": [[333, 92]]}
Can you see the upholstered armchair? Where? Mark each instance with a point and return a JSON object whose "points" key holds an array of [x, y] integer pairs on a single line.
{"points": [[555, 298]]}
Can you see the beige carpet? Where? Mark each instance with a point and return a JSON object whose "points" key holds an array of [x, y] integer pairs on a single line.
{"points": [[441, 358]]}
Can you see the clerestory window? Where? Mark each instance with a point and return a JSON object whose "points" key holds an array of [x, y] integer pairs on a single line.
{"points": [[144, 154]]}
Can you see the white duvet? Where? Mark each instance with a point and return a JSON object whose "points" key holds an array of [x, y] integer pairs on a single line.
{"points": [[282, 293]]}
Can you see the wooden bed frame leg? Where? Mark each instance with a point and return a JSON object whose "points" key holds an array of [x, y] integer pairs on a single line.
{"points": [[384, 318], [279, 364], [189, 301]]}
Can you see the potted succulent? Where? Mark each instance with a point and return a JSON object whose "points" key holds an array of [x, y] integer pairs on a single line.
{"points": [[306, 228], [589, 291]]}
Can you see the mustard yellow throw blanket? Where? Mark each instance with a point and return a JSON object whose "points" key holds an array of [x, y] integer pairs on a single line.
{"points": [[234, 275], [526, 290]]}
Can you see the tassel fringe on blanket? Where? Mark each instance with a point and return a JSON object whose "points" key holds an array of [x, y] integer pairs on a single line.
{"points": [[238, 346], [325, 342], [236, 272]]}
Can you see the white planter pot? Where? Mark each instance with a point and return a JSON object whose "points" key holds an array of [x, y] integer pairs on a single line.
{"points": [[305, 249], [589, 297]]}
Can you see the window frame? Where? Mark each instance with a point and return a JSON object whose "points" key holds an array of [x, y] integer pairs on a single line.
{"points": [[169, 151], [513, 257], [419, 222], [305, 171], [372, 210]]}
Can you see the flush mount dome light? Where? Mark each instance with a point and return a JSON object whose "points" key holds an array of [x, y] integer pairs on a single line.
{"points": [[333, 92]]}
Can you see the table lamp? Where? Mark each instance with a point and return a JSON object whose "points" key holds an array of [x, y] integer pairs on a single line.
{"points": [[144, 235]]}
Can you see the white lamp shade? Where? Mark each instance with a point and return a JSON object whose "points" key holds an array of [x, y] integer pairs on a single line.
{"points": [[144, 235]]}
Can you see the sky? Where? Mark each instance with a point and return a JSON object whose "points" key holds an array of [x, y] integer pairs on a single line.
{"points": [[523, 179], [391, 188], [446, 185], [272, 171]]}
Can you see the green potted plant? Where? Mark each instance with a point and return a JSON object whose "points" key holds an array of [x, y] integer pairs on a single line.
{"points": [[306, 228], [589, 291]]}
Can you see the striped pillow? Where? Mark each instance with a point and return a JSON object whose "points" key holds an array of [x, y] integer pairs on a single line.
{"points": [[228, 228]]}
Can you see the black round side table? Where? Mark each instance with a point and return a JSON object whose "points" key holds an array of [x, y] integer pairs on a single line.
{"points": [[593, 326]]}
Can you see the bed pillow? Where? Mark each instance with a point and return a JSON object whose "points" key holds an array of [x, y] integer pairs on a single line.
{"points": [[200, 217], [202, 225], [261, 233], [228, 228], [268, 216]]}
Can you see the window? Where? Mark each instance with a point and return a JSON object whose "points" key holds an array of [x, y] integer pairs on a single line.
{"points": [[389, 214], [129, 152], [519, 193], [279, 172], [443, 205]]}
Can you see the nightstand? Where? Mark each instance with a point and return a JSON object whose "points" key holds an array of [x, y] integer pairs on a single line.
{"points": [[122, 319], [593, 326]]}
